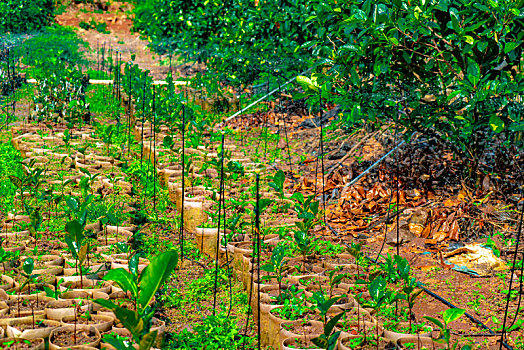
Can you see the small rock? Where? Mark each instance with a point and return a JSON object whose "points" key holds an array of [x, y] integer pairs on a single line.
{"points": [[404, 235]]}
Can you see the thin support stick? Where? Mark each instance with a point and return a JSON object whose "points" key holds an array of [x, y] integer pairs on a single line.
{"points": [[322, 153], [508, 298], [397, 182], [218, 228], [257, 234], [181, 239]]}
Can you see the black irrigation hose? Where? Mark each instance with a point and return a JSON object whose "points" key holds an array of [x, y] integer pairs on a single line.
{"points": [[471, 317], [434, 295]]}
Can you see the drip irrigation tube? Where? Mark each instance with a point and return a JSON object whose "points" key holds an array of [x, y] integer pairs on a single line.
{"points": [[471, 317], [436, 296], [355, 180], [264, 97]]}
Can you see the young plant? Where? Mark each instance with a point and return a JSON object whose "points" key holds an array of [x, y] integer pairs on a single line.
{"points": [[277, 183], [448, 316], [36, 220], [86, 183], [328, 340], [356, 251], [78, 245], [28, 268], [277, 265], [142, 288], [380, 296], [334, 279], [303, 242], [409, 287]]}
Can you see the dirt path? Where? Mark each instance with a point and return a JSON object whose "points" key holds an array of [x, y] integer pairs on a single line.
{"points": [[121, 38]]}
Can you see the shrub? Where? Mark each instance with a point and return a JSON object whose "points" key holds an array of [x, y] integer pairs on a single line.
{"points": [[18, 16], [239, 39], [454, 65]]}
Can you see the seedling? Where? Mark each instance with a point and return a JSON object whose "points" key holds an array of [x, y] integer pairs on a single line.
{"points": [[448, 316], [28, 267], [142, 288], [328, 340], [77, 244], [277, 265], [409, 287]]}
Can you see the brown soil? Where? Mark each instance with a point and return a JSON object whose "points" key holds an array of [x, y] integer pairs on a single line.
{"points": [[81, 320], [21, 344], [38, 325], [66, 338], [27, 305]]}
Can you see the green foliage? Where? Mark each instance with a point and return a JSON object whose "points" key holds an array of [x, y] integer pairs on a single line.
{"points": [[327, 340], [455, 63], [53, 47], [142, 288], [9, 166], [238, 39], [215, 332], [100, 27], [448, 316], [19, 16]]}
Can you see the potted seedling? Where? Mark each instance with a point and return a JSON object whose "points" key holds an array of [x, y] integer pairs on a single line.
{"points": [[409, 286], [36, 220], [142, 288], [107, 136], [27, 267], [78, 245], [380, 297], [327, 340], [67, 138], [277, 183], [87, 181], [277, 265]]}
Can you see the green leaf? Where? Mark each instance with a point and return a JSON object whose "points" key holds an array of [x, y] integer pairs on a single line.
{"points": [[435, 321], [124, 279], [148, 340], [154, 275], [85, 171], [497, 125], [133, 264], [332, 341], [511, 45], [267, 268], [306, 83], [28, 266], [320, 341], [332, 323], [130, 319], [72, 203], [16, 181], [74, 229], [451, 315], [376, 288]]}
